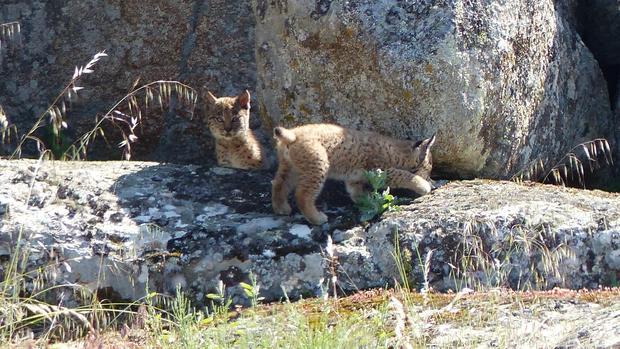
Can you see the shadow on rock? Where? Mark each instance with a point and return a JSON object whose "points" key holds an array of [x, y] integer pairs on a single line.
{"points": [[199, 226]]}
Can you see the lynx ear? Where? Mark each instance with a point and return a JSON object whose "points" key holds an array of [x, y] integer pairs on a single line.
{"points": [[430, 141], [210, 97], [424, 147], [244, 99]]}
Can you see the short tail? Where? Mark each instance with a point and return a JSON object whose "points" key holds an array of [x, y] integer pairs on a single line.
{"points": [[283, 135]]}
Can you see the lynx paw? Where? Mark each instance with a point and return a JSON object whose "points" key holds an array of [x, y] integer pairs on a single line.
{"points": [[317, 219], [421, 185], [283, 209], [357, 190]]}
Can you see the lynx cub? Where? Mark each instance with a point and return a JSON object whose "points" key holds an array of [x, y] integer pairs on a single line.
{"points": [[308, 155], [229, 122]]}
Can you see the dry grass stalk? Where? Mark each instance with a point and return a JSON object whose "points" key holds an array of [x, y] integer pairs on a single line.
{"points": [[538, 245], [570, 168], [9, 32], [332, 268], [7, 130], [56, 112], [127, 113], [402, 323], [426, 288]]}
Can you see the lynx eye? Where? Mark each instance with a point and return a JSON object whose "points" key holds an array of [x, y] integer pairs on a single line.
{"points": [[219, 119]]}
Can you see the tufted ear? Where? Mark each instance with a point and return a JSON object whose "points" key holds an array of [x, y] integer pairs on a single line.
{"points": [[424, 146], [430, 141], [244, 99], [210, 97]]}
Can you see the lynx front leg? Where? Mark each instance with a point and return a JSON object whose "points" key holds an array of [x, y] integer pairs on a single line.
{"points": [[404, 179], [281, 186], [246, 162], [356, 189], [221, 156], [252, 157], [357, 186]]}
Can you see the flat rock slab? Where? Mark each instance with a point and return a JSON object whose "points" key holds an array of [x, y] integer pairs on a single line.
{"points": [[123, 228], [516, 235]]}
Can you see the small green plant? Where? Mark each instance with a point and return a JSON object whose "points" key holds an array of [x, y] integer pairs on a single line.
{"points": [[182, 311], [379, 199], [252, 290], [403, 263], [402, 260], [220, 304], [57, 142], [186, 320]]}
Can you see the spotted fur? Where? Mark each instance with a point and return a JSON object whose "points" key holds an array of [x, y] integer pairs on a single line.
{"points": [[308, 155]]}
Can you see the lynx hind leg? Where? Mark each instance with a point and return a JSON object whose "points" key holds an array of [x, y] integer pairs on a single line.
{"points": [[404, 179], [308, 189], [281, 187], [312, 176]]}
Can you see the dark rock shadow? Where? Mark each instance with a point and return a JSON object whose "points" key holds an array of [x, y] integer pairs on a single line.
{"points": [[566, 117]]}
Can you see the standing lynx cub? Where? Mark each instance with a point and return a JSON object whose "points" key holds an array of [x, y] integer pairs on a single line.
{"points": [[229, 123], [308, 155]]}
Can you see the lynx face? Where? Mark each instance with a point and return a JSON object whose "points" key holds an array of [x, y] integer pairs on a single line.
{"points": [[229, 117], [228, 120]]}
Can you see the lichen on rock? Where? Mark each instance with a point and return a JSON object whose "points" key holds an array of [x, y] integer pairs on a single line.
{"points": [[126, 227], [500, 84]]}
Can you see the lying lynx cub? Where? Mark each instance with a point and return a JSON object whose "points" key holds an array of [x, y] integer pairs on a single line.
{"points": [[229, 123], [308, 155]]}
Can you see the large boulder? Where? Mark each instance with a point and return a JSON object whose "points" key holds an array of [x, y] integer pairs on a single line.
{"points": [[201, 43], [124, 228], [502, 84]]}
